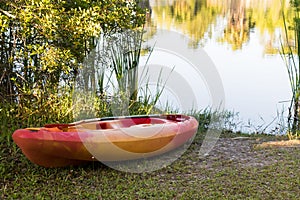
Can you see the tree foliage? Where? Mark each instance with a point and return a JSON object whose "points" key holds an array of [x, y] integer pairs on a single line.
{"points": [[43, 42]]}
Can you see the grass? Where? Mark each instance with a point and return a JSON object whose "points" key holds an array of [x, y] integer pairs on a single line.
{"points": [[278, 144], [186, 178]]}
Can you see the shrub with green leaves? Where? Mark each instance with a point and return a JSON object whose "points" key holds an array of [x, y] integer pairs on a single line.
{"points": [[43, 43]]}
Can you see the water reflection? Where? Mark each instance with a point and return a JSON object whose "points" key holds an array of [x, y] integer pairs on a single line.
{"points": [[197, 18], [242, 38], [238, 26]]}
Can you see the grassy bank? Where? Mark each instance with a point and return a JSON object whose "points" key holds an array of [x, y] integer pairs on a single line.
{"points": [[235, 169]]}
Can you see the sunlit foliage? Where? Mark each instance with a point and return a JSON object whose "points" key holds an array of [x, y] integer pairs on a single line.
{"points": [[44, 42]]}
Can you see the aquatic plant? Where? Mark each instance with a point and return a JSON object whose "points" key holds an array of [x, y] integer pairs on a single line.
{"points": [[290, 53], [114, 72]]}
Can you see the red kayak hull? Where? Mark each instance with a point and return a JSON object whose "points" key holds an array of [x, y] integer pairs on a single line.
{"points": [[116, 139]]}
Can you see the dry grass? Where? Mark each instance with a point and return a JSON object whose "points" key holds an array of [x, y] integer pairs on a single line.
{"points": [[279, 144]]}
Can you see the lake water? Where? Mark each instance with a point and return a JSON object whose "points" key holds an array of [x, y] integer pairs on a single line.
{"points": [[242, 40]]}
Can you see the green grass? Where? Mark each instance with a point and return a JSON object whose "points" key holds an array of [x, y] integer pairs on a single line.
{"points": [[186, 178]]}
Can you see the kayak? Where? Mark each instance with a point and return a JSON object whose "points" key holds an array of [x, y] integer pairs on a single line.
{"points": [[105, 139]]}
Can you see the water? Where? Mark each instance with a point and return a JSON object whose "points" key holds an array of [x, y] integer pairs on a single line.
{"points": [[242, 40]]}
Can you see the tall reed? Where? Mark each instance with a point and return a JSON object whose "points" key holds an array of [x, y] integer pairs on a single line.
{"points": [[123, 52], [290, 53], [125, 55]]}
